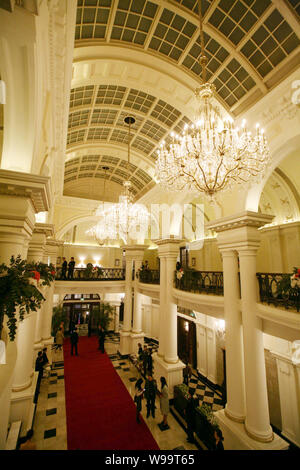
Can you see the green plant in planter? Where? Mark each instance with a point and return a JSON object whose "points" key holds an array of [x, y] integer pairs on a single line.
{"points": [[59, 315], [88, 272], [102, 315], [19, 293], [206, 425], [181, 393]]}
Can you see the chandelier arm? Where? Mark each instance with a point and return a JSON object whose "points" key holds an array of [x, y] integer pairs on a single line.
{"points": [[203, 174], [217, 173]]}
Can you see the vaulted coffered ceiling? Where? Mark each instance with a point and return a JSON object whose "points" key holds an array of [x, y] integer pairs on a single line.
{"points": [[141, 58]]}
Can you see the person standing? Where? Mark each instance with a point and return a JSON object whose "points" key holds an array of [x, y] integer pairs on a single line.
{"points": [[101, 338], [150, 361], [59, 339], [140, 351], [164, 403], [138, 396], [46, 364], [145, 360], [190, 415], [39, 368], [150, 395], [64, 268], [218, 439], [187, 373], [74, 342], [71, 268]]}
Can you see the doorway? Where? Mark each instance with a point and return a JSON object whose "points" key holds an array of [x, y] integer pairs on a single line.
{"points": [[187, 344]]}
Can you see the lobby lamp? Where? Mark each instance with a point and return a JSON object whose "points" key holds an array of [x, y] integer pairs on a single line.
{"points": [[211, 155]]}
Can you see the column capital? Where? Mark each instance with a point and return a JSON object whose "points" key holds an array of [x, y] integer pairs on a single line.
{"points": [[135, 252], [168, 247], [239, 231], [44, 229], [35, 187]]}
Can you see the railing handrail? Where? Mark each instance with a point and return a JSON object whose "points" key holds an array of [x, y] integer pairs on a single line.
{"points": [[209, 282], [276, 289], [101, 274], [149, 276]]}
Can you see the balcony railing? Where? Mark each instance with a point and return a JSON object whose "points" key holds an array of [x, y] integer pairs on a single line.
{"points": [[103, 274], [276, 289], [149, 276], [204, 282]]}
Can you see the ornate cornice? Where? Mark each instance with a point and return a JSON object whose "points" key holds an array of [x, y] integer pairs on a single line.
{"points": [[36, 188], [45, 229], [244, 219]]}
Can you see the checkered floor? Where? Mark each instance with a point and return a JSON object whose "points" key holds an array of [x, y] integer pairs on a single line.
{"points": [[50, 419], [205, 394]]}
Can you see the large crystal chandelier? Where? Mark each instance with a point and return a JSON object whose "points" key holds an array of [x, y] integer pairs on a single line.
{"points": [[124, 220], [212, 154]]}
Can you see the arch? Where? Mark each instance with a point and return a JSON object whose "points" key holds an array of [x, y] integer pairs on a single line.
{"points": [[252, 196]]}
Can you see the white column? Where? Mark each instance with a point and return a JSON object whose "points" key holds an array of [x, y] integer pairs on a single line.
{"points": [[166, 362], [235, 385], [137, 315], [128, 295], [36, 251], [170, 333], [162, 295], [137, 335], [257, 422], [117, 319]]}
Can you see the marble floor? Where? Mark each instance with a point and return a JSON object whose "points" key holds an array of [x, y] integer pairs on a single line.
{"points": [[50, 431]]}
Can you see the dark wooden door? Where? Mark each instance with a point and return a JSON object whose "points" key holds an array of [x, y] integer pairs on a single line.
{"points": [[184, 257], [187, 345]]}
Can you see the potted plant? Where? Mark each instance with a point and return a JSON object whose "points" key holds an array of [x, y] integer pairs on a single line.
{"points": [[206, 425], [181, 393], [102, 315], [19, 292], [59, 315], [88, 271]]}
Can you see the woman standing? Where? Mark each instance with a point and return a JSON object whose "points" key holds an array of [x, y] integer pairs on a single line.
{"points": [[138, 396], [59, 339], [164, 403]]}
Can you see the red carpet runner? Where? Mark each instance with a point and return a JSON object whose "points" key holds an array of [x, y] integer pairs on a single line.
{"points": [[100, 411]]}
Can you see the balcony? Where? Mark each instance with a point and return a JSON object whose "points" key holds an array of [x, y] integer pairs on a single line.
{"points": [[149, 276], [98, 274], [201, 282], [276, 289]]}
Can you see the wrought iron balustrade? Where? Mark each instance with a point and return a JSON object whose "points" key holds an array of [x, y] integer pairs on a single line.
{"points": [[149, 276], [276, 289], [102, 274], [205, 282]]}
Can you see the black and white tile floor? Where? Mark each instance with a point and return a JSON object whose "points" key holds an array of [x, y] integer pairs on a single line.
{"points": [[50, 430]]}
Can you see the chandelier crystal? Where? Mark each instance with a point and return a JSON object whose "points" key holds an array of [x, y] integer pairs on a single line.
{"points": [[125, 220], [211, 155]]}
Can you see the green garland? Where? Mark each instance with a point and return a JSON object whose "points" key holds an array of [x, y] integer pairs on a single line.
{"points": [[18, 295]]}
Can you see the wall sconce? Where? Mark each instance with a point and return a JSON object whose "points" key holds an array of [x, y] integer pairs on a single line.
{"points": [[81, 264]]}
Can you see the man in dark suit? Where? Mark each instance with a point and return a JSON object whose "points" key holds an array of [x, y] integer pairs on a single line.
{"points": [[101, 338], [74, 341], [71, 268], [39, 368], [150, 394], [64, 268], [190, 415]]}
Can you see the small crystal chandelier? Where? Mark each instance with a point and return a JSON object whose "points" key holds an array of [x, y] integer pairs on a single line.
{"points": [[212, 154], [124, 219], [104, 229]]}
